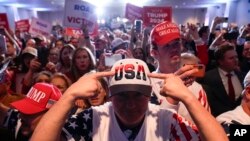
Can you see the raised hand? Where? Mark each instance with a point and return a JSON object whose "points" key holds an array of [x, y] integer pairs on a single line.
{"points": [[173, 86], [185, 73], [87, 85], [34, 65]]}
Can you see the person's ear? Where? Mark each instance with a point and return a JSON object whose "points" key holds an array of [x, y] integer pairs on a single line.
{"points": [[154, 53], [247, 94]]}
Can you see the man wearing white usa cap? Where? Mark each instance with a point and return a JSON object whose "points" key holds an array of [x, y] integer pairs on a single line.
{"points": [[22, 120], [129, 116]]}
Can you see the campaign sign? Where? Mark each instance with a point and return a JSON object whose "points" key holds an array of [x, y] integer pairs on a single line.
{"points": [[22, 25], [40, 27], [239, 132], [133, 12], [78, 12], [156, 15], [73, 32], [4, 21]]}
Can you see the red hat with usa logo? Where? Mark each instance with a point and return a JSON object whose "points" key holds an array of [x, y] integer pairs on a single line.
{"points": [[40, 97], [130, 75]]}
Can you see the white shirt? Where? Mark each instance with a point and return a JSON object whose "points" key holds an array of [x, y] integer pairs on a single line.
{"points": [[158, 125], [195, 88], [237, 114], [99, 123], [236, 82]]}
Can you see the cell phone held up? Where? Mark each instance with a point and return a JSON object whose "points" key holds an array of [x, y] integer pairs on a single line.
{"points": [[3, 47], [201, 70], [138, 26], [2, 32], [109, 60]]}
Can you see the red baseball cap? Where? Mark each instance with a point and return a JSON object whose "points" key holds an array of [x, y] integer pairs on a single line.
{"points": [[164, 33], [39, 98]]}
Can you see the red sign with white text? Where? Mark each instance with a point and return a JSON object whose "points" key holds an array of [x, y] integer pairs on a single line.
{"points": [[73, 32], [22, 25], [156, 15], [133, 12], [4, 21]]}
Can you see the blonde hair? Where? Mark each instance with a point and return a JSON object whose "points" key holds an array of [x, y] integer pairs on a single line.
{"points": [[186, 56]]}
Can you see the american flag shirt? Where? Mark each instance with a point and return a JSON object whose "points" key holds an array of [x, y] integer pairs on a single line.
{"points": [[79, 127], [100, 124], [11, 120]]}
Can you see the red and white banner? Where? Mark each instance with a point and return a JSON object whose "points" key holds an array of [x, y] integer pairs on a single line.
{"points": [[78, 12], [133, 12], [22, 25], [155, 15], [73, 32], [4, 21], [40, 27]]}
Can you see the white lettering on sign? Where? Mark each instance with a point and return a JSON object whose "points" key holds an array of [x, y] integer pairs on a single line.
{"points": [[35, 94], [163, 27], [155, 20], [157, 15], [240, 132]]}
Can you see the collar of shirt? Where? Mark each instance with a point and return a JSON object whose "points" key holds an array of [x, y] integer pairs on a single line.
{"points": [[224, 73]]}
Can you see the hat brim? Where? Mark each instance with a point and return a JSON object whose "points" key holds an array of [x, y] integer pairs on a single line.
{"points": [[143, 89], [170, 39], [28, 53], [118, 47], [26, 106]]}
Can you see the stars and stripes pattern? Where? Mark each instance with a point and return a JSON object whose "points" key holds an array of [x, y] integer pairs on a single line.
{"points": [[79, 127], [183, 129], [11, 119]]}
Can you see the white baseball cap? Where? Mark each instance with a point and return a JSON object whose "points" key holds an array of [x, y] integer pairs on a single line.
{"points": [[30, 50], [130, 75]]}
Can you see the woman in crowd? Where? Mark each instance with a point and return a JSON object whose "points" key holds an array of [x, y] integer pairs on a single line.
{"points": [[43, 76], [29, 65], [83, 61], [100, 98], [139, 53], [61, 81], [54, 55], [65, 57]]}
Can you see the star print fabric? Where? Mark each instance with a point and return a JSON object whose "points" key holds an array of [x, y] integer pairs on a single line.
{"points": [[11, 119], [79, 127]]}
